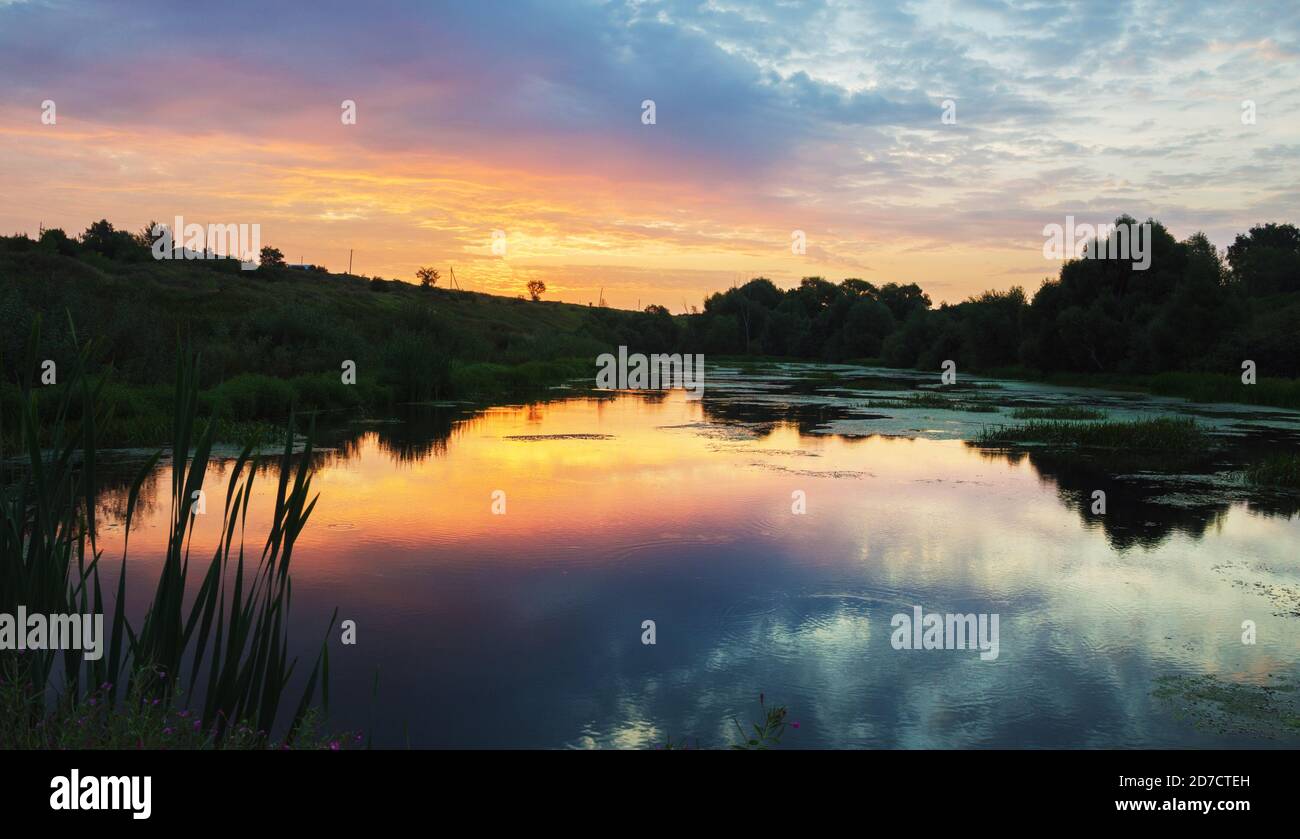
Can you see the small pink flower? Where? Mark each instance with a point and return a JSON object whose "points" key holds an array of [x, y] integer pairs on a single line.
{"points": [[334, 745], [794, 724]]}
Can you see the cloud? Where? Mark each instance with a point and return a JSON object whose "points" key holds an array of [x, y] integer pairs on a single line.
{"points": [[770, 117]]}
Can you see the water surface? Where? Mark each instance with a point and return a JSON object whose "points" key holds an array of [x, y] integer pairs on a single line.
{"points": [[524, 629]]}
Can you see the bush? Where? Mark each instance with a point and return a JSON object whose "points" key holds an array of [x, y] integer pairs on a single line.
{"points": [[252, 396]]}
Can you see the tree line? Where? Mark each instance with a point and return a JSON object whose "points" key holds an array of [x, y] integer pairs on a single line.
{"points": [[1193, 308]]}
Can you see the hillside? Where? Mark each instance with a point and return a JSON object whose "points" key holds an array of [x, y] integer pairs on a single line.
{"points": [[274, 338]]}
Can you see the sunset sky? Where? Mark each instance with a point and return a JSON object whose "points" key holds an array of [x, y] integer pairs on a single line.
{"points": [[823, 117]]}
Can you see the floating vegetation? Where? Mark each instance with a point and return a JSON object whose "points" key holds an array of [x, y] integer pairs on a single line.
{"points": [[1285, 598], [932, 400], [837, 474], [1223, 707], [538, 437], [1059, 412], [1163, 433]]}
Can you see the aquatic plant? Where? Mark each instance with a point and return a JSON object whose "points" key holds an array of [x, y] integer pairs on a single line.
{"points": [[1270, 709], [764, 734], [767, 732], [1161, 434], [934, 401], [1280, 470], [1059, 412], [234, 631]]}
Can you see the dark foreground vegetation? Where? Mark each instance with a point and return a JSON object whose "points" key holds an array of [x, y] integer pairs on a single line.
{"points": [[276, 338], [208, 664]]}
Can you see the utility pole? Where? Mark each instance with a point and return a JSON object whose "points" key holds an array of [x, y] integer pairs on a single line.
{"points": [[349, 262]]}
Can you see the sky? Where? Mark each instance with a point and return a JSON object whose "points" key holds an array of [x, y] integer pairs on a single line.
{"points": [[772, 121]]}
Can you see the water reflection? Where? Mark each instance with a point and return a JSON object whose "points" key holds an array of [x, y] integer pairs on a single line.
{"points": [[524, 628]]}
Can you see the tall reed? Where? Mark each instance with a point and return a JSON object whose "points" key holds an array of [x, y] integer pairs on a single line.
{"points": [[232, 635]]}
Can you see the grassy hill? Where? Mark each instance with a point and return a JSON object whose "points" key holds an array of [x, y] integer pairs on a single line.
{"points": [[275, 338]]}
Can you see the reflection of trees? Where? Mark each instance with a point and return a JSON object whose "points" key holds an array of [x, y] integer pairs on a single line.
{"points": [[764, 417], [1133, 516], [1280, 504], [419, 432], [422, 433], [114, 492]]}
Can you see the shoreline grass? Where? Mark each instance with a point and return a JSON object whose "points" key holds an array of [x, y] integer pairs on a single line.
{"points": [[252, 407]]}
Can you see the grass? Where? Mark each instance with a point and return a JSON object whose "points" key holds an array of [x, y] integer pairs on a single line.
{"points": [[1281, 470], [1059, 412], [932, 400], [274, 341], [138, 721], [234, 631], [1160, 434], [1192, 386], [761, 736]]}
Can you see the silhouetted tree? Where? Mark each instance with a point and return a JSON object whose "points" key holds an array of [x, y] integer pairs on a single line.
{"points": [[428, 277], [103, 239], [1267, 259], [271, 257]]}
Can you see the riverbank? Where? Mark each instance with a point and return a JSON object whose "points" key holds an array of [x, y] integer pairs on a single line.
{"points": [[275, 340]]}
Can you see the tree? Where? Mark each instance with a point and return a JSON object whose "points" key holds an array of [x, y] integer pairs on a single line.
{"points": [[146, 237], [1267, 259], [103, 239], [272, 257], [536, 288], [903, 300], [428, 277], [54, 239]]}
